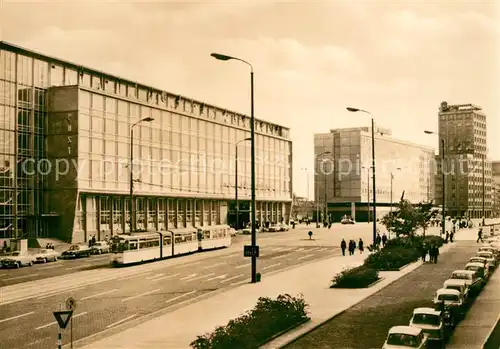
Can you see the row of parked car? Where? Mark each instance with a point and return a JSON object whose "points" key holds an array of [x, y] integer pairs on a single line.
{"points": [[18, 259], [431, 327], [272, 228]]}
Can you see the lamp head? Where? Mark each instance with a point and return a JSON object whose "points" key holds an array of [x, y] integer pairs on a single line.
{"points": [[221, 57], [429, 132], [351, 109], [148, 119], [248, 139]]}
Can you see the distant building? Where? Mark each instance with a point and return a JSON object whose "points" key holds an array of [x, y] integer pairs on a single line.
{"points": [[468, 170], [344, 180], [495, 167]]}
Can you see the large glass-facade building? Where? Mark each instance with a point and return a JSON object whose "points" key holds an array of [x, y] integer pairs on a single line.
{"points": [[343, 178], [65, 133]]}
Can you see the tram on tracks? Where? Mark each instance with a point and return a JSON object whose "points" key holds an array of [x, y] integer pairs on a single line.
{"points": [[143, 247]]}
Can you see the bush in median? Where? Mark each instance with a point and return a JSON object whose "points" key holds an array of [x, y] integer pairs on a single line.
{"points": [[433, 240], [256, 327], [392, 258], [358, 277]]}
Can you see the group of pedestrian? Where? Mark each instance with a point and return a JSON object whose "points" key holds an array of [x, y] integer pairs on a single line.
{"points": [[449, 236], [49, 246], [351, 247], [380, 240], [431, 250], [92, 241]]}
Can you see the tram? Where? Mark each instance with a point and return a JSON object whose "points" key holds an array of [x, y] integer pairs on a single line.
{"points": [[143, 247]]}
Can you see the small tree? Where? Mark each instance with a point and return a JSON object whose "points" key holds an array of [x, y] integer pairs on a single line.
{"points": [[425, 213], [403, 220]]}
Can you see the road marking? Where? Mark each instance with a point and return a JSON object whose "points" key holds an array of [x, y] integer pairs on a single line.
{"points": [[166, 277], [136, 275], [216, 277], [283, 255], [186, 264], [271, 266], [16, 317], [213, 265], [121, 321], [232, 278], [80, 266], [140, 295], [277, 249], [242, 266], [154, 276], [322, 249], [51, 266], [55, 293], [304, 257], [188, 277], [55, 322], [37, 341], [300, 249], [239, 283], [180, 296], [230, 256], [99, 294], [200, 277], [21, 277], [313, 249]]}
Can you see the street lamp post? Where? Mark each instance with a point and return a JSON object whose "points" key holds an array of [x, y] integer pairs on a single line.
{"points": [[484, 193], [368, 191], [236, 183], [351, 109], [443, 180], [222, 57], [131, 199], [392, 178], [317, 188]]}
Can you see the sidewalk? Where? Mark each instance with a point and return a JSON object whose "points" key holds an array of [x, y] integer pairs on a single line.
{"points": [[180, 327], [474, 330]]}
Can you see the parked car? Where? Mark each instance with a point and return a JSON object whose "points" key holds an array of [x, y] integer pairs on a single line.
{"points": [[490, 257], [473, 282], [284, 227], [452, 299], [76, 251], [347, 221], [46, 255], [482, 260], [17, 260], [431, 323], [494, 250], [459, 285], [479, 268], [400, 337], [273, 228], [232, 231], [100, 247]]}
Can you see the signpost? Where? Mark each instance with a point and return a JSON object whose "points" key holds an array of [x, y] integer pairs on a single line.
{"points": [[250, 251], [62, 318], [71, 306]]}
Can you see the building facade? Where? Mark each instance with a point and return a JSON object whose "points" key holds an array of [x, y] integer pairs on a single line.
{"points": [[495, 170], [343, 178], [467, 169], [65, 132]]}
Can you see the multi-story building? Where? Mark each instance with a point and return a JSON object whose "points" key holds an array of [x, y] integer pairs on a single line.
{"points": [[495, 170], [65, 138], [343, 159], [467, 168]]}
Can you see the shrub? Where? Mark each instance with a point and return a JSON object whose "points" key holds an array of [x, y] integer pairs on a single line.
{"points": [[256, 327], [358, 277], [392, 258], [433, 240]]}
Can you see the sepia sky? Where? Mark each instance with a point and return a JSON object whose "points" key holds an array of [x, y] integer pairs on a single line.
{"points": [[397, 59]]}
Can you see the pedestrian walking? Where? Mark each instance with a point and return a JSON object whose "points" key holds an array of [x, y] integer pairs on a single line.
{"points": [[447, 237], [384, 240], [451, 236], [343, 246], [378, 240], [353, 247], [480, 235], [360, 246], [423, 252], [431, 254], [436, 253]]}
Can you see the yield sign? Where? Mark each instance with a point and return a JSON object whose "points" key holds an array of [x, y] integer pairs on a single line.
{"points": [[63, 317]]}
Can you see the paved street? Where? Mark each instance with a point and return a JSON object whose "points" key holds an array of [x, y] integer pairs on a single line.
{"points": [[103, 305], [389, 307]]}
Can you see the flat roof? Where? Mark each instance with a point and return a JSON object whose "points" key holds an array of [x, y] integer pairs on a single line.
{"points": [[20, 50]]}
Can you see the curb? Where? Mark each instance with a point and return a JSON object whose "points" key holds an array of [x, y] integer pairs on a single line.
{"points": [[380, 279], [291, 328]]}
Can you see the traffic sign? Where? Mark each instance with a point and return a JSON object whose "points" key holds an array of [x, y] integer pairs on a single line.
{"points": [[63, 317], [249, 251], [70, 303]]}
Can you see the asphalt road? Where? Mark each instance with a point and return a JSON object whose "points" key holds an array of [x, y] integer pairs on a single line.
{"points": [[30, 324], [64, 267], [365, 325]]}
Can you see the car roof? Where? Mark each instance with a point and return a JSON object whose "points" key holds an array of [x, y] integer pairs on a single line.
{"points": [[485, 252], [477, 257], [447, 291], [474, 264], [414, 331], [427, 311], [461, 271], [454, 282]]}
